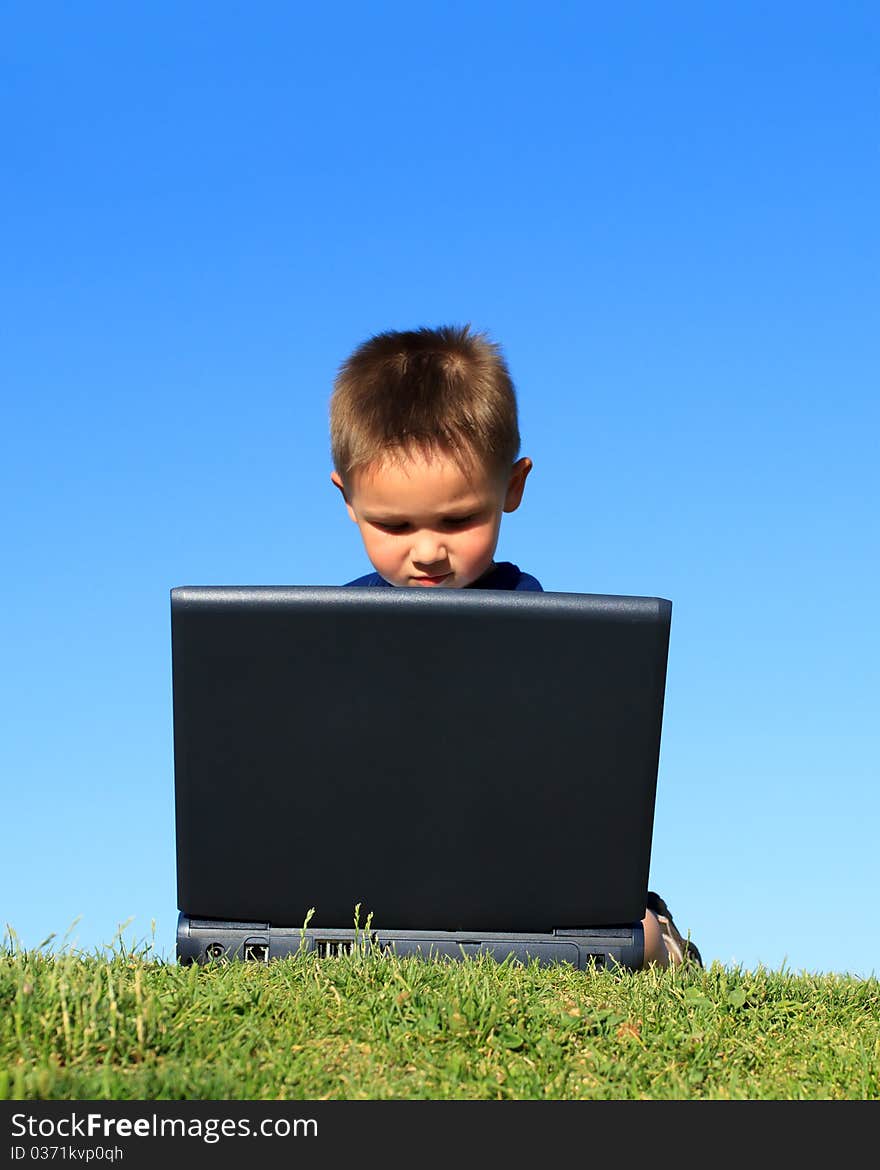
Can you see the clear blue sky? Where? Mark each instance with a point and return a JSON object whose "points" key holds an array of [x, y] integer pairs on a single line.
{"points": [[667, 215]]}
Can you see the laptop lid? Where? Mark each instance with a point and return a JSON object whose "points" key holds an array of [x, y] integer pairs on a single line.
{"points": [[445, 759]]}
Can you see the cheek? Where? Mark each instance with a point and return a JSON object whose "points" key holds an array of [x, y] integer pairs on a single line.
{"points": [[379, 546], [478, 541]]}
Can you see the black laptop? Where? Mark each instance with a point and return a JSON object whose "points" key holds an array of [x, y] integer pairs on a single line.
{"points": [[435, 772]]}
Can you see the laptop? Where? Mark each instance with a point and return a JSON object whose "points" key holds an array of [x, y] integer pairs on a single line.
{"points": [[443, 773]]}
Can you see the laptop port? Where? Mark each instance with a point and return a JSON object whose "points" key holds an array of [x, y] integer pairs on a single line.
{"points": [[215, 950], [334, 948], [256, 952]]}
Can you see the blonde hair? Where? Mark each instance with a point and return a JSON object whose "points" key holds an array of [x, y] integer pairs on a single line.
{"points": [[436, 390]]}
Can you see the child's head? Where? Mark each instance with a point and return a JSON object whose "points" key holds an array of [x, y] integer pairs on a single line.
{"points": [[425, 443]]}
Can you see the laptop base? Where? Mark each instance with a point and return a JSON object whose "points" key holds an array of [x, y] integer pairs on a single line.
{"points": [[201, 940]]}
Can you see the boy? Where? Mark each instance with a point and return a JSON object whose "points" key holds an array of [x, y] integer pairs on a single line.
{"points": [[425, 444], [425, 439]]}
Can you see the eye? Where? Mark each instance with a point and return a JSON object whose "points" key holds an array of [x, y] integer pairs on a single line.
{"points": [[390, 527], [459, 521]]}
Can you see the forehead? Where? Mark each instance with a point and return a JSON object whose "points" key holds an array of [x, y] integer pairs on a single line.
{"points": [[430, 482]]}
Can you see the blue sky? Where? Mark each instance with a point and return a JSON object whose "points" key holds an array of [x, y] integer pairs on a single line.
{"points": [[667, 217]]}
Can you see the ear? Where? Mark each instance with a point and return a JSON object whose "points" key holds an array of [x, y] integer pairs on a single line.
{"points": [[336, 479], [516, 484]]}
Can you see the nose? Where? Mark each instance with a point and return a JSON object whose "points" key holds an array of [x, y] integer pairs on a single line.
{"points": [[428, 548]]}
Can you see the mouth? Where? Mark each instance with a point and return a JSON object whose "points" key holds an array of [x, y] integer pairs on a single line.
{"points": [[431, 580]]}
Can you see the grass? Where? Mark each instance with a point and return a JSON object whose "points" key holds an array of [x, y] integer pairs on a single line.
{"points": [[126, 1026]]}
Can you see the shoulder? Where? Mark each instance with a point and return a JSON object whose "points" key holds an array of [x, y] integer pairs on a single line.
{"points": [[367, 580], [506, 575], [527, 581]]}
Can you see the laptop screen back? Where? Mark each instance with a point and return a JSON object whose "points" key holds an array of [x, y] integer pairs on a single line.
{"points": [[445, 759]]}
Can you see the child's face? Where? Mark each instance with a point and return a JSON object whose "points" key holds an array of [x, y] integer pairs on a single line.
{"points": [[426, 523]]}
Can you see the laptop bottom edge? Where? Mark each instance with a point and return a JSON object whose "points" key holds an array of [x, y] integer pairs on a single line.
{"points": [[202, 940]]}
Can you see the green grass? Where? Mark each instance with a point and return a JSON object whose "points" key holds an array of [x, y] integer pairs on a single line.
{"points": [[126, 1026]]}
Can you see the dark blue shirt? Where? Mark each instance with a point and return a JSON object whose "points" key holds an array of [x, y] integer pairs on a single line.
{"points": [[504, 575]]}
